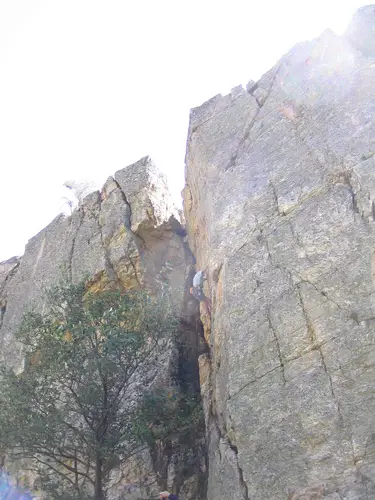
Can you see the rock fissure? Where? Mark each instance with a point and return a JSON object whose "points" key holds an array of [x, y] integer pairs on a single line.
{"points": [[252, 381], [72, 248], [6, 283], [337, 403], [311, 331], [260, 105], [325, 295], [128, 218], [309, 323], [284, 217], [277, 342], [223, 437], [138, 240], [135, 271], [246, 135], [111, 271], [276, 199], [9, 276], [355, 200], [233, 159], [243, 483], [3, 308]]}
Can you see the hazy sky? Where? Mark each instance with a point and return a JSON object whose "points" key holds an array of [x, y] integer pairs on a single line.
{"points": [[90, 86]]}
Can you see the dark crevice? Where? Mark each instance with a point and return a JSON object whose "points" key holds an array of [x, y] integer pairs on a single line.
{"points": [[71, 252], [128, 216], [161, 454], [276, 198], [233, 160], [214, 423], [138, 240], [190, 450], [323, 293], [191, 341], [135, 271], [3, 302], [315, 344], [308, 322], [252, 88], [11, 273], [345, 178], [3, 307], [240, 471], [224, 438], [331, 385], [272, 329], [354, 200]]}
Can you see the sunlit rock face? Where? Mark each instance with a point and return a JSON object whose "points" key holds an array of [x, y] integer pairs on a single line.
{"points": [[361, 30], [125, 236], [279, 204]]}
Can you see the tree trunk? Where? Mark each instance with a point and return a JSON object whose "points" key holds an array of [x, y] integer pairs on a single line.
{"points": [[99, 493]]}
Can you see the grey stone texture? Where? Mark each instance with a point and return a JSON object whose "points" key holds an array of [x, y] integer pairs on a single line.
{"points": [[279, 204], [127, 235], [361, 30]]}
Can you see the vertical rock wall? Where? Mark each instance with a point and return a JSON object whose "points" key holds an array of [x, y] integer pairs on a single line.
{"points": [[279, 203], [124, 236]]}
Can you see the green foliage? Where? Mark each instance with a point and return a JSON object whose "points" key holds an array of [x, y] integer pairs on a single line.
{"points": [[166, 413], [72, 412]]}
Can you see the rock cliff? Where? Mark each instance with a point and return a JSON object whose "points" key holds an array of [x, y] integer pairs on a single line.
{"points": [[279, 203], [124, 236], [280, 208]]}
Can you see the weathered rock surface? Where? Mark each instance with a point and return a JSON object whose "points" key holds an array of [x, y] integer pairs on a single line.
{"points": [[361, 30], [124, 236], [279, 203]]}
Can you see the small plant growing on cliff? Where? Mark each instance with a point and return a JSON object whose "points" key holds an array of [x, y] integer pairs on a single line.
{"points": [[73, 412], [78, 191]]}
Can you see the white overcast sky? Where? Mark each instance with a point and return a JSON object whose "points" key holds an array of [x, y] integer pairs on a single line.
{"points": [[90, 86]]}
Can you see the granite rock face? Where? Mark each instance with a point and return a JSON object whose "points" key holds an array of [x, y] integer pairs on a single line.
{"points": [[125, 236], [279, 204], [361, 30], [121, 236]]}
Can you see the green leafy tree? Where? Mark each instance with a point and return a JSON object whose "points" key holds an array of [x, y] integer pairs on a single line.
{"points": [[73, 411]]}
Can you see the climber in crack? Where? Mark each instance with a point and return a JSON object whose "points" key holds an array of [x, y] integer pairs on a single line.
{"points": [[197, 290]]}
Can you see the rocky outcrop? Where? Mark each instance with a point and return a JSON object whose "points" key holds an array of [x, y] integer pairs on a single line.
{"points": [[360, 31], [279, 203], [124, 236]]}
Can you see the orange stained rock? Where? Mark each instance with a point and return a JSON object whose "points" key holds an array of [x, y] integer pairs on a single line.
{"points": [[68, 337]]}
